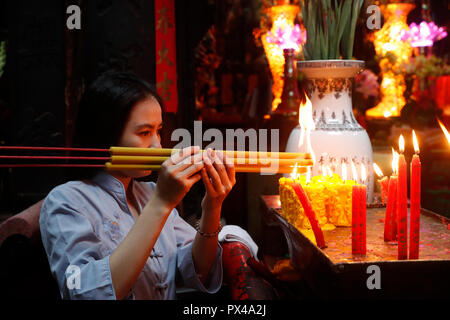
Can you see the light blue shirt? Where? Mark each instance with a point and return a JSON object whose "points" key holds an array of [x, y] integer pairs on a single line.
{"points": [[83, 222]]}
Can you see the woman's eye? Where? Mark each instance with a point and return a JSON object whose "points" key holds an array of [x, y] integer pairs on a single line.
{"points": [[144, 133]]}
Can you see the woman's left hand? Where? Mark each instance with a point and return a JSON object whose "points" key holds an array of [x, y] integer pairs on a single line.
{"points": [[218, 175]]}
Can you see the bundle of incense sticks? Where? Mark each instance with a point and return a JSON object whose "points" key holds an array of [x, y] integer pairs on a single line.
{"points": [[129, 158], [123, 158]]}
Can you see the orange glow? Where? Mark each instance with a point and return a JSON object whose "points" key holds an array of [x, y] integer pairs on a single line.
{"points": [[387, 40], [377, 170], [415, 143], [282, 16], [401, 144], [447, 135]]}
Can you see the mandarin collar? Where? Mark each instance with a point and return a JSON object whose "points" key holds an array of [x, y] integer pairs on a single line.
{"points": [[112, 184]]}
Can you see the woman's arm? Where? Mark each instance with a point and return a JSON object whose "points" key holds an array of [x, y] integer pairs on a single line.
{"points": [[219, 178], [175, 178]]}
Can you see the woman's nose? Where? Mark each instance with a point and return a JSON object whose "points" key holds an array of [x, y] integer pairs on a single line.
{"points": [[156, 142]]}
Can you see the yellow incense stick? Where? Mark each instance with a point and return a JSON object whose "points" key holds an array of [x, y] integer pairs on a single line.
{"points": [[231, 153]]}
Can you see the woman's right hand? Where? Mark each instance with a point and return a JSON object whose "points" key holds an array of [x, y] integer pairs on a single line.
{"points": [[177, 175]]}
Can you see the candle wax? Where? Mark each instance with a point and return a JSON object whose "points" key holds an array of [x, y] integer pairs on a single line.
{"points": [[402, 209], [414, 234]]}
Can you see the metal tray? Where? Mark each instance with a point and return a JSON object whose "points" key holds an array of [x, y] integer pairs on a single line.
{"points": [[335, 272]]}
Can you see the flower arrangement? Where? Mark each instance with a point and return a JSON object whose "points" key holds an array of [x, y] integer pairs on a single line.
{"points": [[330, 27], [289, 38], [423, 35], [367, 84]]}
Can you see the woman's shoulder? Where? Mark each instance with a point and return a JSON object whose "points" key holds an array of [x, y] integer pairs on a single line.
{"points": [[70, 187], [72, 192]]}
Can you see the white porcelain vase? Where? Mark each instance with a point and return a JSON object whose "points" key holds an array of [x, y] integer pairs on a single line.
{"points": [[338, 138]]}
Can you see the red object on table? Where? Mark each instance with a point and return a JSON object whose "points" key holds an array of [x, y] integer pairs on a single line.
{"points": [[414, 223], [402, 209], [356, 224], [362, 218], [384, 186], [301, 194], [390, 225]]}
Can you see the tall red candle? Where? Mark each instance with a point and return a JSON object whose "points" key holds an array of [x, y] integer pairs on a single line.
{"points": [[362, 218], [356, 223], [391, 208], [414, 223], [310, 214], [402, 204]]}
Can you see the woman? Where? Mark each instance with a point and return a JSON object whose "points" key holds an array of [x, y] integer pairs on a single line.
{"points": [[124, 236]]}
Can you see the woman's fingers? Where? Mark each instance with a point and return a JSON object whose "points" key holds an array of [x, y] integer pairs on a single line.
{"points": [[229, 166], [194, 179], [183, 154], [193, 162], [208, 185], [189, 166], [212, 173], [220, 168]]}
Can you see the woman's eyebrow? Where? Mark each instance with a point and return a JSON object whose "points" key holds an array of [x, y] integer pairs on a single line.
{"points": [[147, 125]]}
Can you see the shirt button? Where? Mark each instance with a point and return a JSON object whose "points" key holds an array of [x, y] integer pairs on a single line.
{"points": [[161, 286]]}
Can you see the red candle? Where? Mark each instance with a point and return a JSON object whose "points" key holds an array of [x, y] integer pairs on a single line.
{"points": [[414, 223], [356, 214], [362, 211], [310, 214], [391, 208], [402, 204], [356, 223]]}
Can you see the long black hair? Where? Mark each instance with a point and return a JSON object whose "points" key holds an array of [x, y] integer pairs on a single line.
{"points": [[104, 110]]}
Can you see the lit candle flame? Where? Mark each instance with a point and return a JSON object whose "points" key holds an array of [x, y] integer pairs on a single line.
{"points": [[377, 170], [306, 123], [305, 118], [447, 135], [401, 144], [363, 174], [394, 162], [294, 172], [355, 174], [415, 143], [329, 171], [308, 174], [344, 171]]}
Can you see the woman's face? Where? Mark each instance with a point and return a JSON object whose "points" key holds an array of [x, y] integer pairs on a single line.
{"points": [[142, 130]]}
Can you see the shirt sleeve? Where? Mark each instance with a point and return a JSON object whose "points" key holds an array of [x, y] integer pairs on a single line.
{"points": [[73, 249], [185, 235]]}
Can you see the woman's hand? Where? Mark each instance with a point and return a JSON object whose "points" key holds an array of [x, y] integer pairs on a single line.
{"points": [[177, 175], [218, 175]]}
